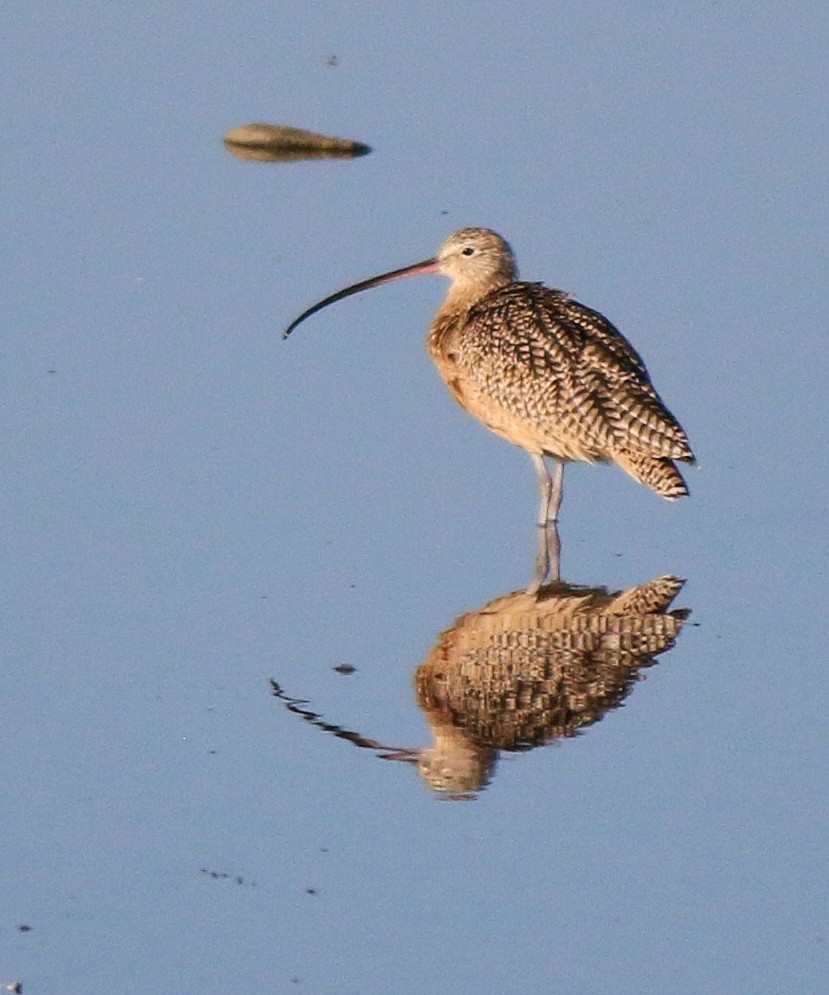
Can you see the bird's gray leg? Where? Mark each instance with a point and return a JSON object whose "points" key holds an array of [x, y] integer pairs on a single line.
{"points": [[545, 485], [551, 489], [542, 562], [548, 557], [553, 542], [556, 493]]}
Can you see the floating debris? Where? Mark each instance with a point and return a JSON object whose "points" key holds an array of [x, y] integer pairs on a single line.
{"points": [[279, 143], [222, 875]]}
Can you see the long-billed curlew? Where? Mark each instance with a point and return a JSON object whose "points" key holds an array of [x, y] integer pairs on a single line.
{"points": [[541, 370]]}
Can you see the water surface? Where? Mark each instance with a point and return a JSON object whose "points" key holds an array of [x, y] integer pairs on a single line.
{"points": [[194, 509]]}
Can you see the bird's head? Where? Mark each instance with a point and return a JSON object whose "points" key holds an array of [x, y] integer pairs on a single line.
{"points": [[476, 260], [477, 257]]}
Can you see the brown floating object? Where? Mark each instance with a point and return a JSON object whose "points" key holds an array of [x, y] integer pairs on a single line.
{"points": [[279, 143]]}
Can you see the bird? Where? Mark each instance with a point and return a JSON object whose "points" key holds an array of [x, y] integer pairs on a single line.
{"points": [[541, 370]]}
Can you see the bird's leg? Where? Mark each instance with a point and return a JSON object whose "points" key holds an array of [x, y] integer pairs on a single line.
{"points": [[547, 560], [545, 485], [556, 493], [553, 542], [548, 557], [551, 489], [542, 562], [542, 558]]}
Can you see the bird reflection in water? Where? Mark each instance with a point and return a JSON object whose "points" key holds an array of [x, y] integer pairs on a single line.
{"points": [[524, 671]]}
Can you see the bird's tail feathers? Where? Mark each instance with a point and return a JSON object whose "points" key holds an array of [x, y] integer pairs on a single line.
{"points": [[658, 473]]}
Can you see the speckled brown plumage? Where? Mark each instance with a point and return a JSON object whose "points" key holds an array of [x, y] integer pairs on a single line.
{"points": [[558, 379], [541, 370]]}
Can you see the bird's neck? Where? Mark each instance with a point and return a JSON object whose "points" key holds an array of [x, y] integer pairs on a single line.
{"points": [[463, 295]]}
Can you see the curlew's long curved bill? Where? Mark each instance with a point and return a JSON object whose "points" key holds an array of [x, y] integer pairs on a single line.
{"points": [[427, 266]]}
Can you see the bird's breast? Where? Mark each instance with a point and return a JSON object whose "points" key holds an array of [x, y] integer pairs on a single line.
{"points": [[444, 348], [444, 338], [468, 386]]}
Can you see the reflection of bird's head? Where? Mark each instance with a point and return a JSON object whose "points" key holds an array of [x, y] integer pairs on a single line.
{"points": [[456, 768], [477, 257]]}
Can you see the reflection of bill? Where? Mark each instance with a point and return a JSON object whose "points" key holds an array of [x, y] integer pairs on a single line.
{"points": [[279, 143], [524, 671]]}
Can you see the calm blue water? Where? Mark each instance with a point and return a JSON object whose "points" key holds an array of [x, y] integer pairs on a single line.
{"points": [[193, 509]]}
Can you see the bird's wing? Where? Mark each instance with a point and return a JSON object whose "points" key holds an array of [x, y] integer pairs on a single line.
{"points": [[594, 328], [544, 356]]}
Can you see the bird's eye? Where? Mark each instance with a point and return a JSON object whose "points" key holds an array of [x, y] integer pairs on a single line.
{"points": [[468, 251]]}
